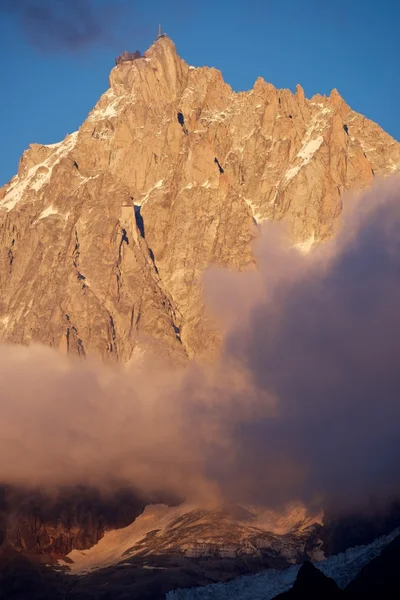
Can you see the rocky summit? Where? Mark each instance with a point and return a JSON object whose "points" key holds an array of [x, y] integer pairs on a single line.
{"points": [[105, 236]]}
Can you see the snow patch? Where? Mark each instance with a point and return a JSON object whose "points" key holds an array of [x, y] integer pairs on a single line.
{"points": [[33, 179], [111, 548], [111, 109], [310, 148], [41, 179], [305, 155], [48, 212], [53, 145], [156, 186], [290, 173], [366, 148]]}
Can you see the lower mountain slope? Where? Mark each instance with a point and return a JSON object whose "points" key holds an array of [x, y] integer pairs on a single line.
{"points": [[342, 568], [239, 535]]}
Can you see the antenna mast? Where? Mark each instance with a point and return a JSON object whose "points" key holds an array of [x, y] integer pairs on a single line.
{"points": [[159, 32]]}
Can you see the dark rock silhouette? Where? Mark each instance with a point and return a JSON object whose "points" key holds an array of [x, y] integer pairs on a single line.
{"points": [[311, 584], [379, 579]]}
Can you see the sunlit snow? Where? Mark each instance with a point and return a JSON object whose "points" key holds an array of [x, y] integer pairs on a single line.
{"points": [[48, 212], [34, 179]]}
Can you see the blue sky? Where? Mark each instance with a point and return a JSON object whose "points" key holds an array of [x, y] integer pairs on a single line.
{"points": [[353, 45]]}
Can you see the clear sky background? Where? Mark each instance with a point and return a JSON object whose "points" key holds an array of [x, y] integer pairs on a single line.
{"points": [[47, 88]]}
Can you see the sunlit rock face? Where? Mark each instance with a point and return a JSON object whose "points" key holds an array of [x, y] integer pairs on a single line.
{"points": [[105, 236]]}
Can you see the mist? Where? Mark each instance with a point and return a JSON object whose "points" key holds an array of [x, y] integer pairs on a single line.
{"points": [[302, 405], [67, 422], [64, 25], [322, 335]]}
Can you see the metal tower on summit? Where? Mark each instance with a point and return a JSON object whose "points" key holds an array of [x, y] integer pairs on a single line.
{"points": [[160, 33]]}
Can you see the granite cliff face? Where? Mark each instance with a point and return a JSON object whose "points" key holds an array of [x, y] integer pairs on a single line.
{"points": [[104, 237]]}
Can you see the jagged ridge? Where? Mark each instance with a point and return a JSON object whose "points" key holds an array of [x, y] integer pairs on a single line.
{"points": [[105, 236]]}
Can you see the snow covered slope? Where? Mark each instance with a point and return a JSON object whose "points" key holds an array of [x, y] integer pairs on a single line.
{"points": [[343, 568], [194, 532]]}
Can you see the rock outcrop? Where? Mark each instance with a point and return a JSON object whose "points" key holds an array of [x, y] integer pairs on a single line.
{"points": [[52, 524], [105, 236], [380, 578], [311, 584]]}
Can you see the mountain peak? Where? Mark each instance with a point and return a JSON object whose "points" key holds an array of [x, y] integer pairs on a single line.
{"points": [[158, 76], [300, 94], [336, 99], [163, 44], [170, 173]]}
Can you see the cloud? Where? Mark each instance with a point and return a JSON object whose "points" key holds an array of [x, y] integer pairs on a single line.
{"points": [[54, 25], [324, 338], [303, 403], [66, 422]]}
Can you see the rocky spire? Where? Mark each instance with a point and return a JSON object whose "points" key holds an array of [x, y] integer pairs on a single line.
{"points": [[105, 236]]}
